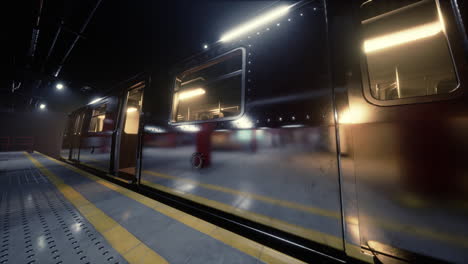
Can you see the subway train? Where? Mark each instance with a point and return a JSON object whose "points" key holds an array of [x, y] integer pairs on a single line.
{"points": [[340, 124]]}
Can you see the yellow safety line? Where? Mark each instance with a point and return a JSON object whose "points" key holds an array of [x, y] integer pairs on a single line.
{"points": [[243, 244], [292, 205], [130, 247], [389, 225]]}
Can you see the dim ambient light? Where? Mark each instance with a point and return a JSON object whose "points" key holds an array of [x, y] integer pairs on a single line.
{"points": [[402, 37], [131, 109], [191, 93], [255, 23]]}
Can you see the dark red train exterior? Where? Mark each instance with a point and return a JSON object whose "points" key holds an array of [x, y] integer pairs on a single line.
{"points": [[340, 123]]}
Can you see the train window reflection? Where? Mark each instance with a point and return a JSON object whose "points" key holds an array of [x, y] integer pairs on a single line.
{"points": [[96, 123], [408, 54], [132, 112], [210, 91]]}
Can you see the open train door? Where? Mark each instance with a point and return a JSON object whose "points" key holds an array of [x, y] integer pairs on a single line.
{"points": [[127, 133]]}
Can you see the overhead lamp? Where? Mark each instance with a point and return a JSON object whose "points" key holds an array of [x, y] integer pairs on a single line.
{"points": [[42, 106], [191, 93], [95, 100], [205, 46], [255, 23], [402, 37], [131, 109], [59, 86]]}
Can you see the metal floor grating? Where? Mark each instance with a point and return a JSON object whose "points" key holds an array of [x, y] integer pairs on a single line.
{"points": [[38, 225]]}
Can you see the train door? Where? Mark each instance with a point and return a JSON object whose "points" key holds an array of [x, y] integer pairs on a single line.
{"points": [[75, 135], [127, 136], [65, 149], [408, 122]]}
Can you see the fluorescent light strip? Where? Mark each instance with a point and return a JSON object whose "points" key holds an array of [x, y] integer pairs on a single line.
{"points": [[191, 93], [402, 37], [131, 109], [255, 23], [95, 100]]}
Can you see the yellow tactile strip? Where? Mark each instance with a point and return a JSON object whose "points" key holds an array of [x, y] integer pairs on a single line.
{"points": [[245, 245], [130, 247]]}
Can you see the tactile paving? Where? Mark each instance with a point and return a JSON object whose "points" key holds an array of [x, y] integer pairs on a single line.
{"points": [[38, 225]]}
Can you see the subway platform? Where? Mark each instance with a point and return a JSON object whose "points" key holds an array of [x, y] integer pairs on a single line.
{"points": [[52, 212]]}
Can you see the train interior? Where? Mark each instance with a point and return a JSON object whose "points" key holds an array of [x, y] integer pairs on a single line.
{"points": [[128, 140]]}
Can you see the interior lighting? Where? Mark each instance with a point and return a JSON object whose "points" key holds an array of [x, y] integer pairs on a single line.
{"points": [[191, 93], [59, 86], [255, 23], [42, 106], [402, 37], [131, 109]]}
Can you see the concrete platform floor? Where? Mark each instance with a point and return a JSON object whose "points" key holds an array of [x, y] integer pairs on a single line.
{"points": [[52, 212]]}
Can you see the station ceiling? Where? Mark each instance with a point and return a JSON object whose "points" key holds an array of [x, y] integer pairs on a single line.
{"points": [[122, 39]]}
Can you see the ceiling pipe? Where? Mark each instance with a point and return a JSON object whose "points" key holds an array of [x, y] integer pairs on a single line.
{"points": [[52, 46], [35, 32], [77, 36]]}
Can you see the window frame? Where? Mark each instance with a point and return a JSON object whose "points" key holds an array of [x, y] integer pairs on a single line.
{"points": [[450, 36], [242, 87], [104, 102]]}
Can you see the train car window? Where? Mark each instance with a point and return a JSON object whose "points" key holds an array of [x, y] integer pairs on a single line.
{"points": [[134, 103], [210, 91], [407, 51], [96, 123]]}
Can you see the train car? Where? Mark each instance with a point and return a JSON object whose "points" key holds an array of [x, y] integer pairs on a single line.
{"points": [[104, 134], [339, 125]]}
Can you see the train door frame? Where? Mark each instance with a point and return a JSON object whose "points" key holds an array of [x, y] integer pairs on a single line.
{"points": [[119, 131], [76, 134]]}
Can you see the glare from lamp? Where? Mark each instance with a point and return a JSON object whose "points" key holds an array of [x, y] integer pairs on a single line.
{"points": [[243, 123], [402, 37], [131, 109], [42, 106], [356, 115], [189, 128], [191, 93], [255, 23], [59, 86]]}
